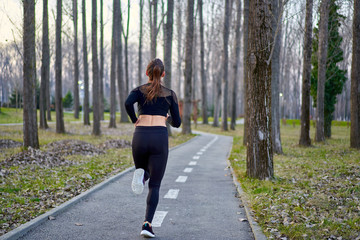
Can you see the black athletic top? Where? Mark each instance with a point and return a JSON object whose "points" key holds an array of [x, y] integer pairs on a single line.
{"points": [[158, 106]]}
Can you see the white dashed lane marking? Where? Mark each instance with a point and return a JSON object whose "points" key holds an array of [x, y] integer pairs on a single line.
{"points": [[172, 193], [192, 163], [181, 179], [187, 170], [196, 157], [199, 153], [158, 218]]}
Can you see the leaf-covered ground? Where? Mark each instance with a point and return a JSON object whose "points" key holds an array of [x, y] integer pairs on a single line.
{"points": [[316, 190], [34, 181]]}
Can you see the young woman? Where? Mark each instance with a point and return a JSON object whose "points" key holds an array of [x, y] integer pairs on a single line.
{"points": [[150, 140]]}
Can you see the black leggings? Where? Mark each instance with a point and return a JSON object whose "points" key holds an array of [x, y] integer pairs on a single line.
{"points": [[150, 148]]}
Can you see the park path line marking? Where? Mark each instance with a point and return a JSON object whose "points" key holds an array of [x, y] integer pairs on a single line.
{"points": [[172, 193], [192, 163], [196, 157], [203, 150], [181, 179], [158, 218], [199, 153], [188, 169]]}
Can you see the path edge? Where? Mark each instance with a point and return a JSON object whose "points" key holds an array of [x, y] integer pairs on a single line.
{"points": [[255, 227], [26, 227]]}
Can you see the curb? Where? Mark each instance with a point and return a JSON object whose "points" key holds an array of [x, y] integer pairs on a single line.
{"points": [[26, 227], [256, 229]]}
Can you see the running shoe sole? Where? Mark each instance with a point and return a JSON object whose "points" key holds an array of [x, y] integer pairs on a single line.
{"points": [[137, 184], [147, 234]]}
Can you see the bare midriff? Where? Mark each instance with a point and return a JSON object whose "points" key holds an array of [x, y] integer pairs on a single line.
{"points": [[151, 121]]}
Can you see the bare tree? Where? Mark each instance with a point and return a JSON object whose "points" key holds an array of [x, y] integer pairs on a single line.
{"points": [[31, 138], [224, 84], [235, 65], [168, 43], [76, 62], [60, 127], [126, 37], [179, 41], [153, 27], [322, 56], [202, 60], [140, 70], [305, 104], [355, 80], [121, 86], [101, 79], [112, 123], [45, 67], [86, 69], [275, 74], [259, 149], [186, 129], [246, 90], [95, 67]]}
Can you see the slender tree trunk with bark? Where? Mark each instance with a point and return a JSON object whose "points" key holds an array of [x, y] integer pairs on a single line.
{"points": [[305, 101], [112, 123], [153, 27], [101, 79], [121, 85], [168, 43], [76, 63], [126, 37], [45, 67], [140, 70], [275, 74], [202, 60], [259, 150], [186, 129], [235, 65], [86, 109], [322, 56], [179, 41], [30, 129], [246, 90], [60, 127], [355, 80], [95, 67], [217, 102], [224, 83]]}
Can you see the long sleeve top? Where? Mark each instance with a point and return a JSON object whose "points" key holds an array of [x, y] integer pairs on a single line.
{"points": [[158, 106]]}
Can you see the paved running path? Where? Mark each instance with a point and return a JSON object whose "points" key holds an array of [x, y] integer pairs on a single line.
{"points": [[200, 202]]}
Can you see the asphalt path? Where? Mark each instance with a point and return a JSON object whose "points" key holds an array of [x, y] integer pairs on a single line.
{"points": [[197, 201]]}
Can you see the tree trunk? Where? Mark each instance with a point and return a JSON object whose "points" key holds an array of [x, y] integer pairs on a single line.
{"points": [[45, 67], [153, 27], [121, 85], [224, 84], [76, 63], [186, 129], [179, 42], [259, 150], [86, 109], [217, 99], [355, 80], [202, 60], [60, 128], [305, 101], [322, 56], [246, 90], [112, 123], [31, 138], [140, 70], [275, 74], [235, 65], [101, 79], [95, 68], [127, 79]]}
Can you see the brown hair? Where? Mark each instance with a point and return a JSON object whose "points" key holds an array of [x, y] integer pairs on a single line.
{"points": [[154, 71]]}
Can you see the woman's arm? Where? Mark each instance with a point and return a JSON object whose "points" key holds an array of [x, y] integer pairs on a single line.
{"points": [[174, 118], [129, 105]]}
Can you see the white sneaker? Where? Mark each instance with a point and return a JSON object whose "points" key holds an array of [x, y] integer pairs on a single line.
{"points": [[137, 184]]}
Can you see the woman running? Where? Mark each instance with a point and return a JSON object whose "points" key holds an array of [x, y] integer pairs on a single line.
{"points": [[150, 141]]}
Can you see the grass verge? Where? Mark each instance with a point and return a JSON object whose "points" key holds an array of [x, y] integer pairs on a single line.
{"points": [[28, 191], [316, 190]]}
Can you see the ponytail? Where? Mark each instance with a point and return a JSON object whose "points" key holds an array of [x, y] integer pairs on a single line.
{"points": [[154, 70]]}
